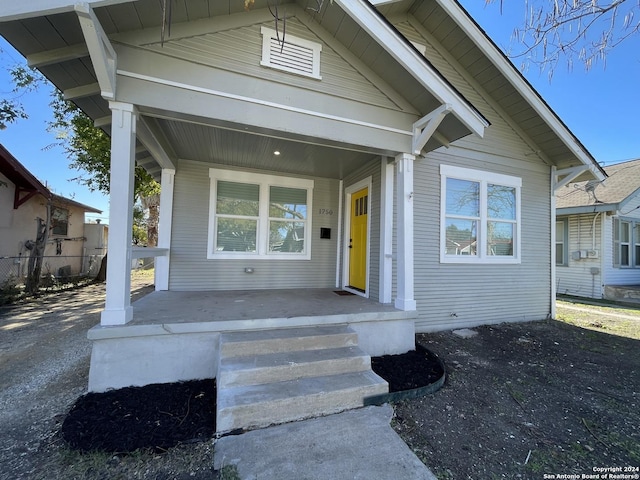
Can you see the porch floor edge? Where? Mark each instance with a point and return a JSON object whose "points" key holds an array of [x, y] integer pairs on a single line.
{"points": [[100, 332], [192, 312]]}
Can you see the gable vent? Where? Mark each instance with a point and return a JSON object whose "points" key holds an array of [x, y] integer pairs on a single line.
{"points": [[295, 55]]}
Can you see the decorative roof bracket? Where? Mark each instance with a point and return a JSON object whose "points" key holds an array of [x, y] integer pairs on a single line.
{"points": [[426, 127], [151, 139], [569, 174], [103, 56]]}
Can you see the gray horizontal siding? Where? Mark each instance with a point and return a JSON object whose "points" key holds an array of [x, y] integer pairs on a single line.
{"points": [[458, 295], [576, 278], [191, 270], [240, 50]]}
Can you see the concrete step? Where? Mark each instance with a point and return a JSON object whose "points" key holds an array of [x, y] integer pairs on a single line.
{"points": [[239, 344], [257, 406], [282, 366]]}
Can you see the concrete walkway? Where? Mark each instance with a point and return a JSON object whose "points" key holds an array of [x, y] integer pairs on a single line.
{"points": [[357, 444]]}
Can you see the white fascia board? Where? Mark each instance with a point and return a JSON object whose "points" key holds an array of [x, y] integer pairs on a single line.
{"points": [[598, 207], [15, 10], [419, 68], [499, 60]]}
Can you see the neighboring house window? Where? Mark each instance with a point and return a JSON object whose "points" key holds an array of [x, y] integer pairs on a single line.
{"points": [[290, 54], [259, 216], [621, 243], [480, 216], [636, 239], [59, 221], [626, 243], [562, 242]]}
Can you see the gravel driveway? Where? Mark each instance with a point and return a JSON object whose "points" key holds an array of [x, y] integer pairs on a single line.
{"points": [[44, 366]]}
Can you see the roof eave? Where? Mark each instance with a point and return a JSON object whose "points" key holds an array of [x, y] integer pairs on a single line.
{"points": [[19, 171], [377, 26], [520, 83], [598, 207]]}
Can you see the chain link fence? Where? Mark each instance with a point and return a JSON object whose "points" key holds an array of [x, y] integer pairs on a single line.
{"points": [[58, 268]]}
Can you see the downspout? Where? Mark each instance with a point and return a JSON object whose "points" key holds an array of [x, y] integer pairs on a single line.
{"points": [[594, 271]]}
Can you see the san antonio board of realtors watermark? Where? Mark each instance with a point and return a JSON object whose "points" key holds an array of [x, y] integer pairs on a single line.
{"points": [[598, 473]]}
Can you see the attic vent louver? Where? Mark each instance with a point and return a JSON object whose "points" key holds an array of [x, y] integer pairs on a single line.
{"points": [[297, 56]]}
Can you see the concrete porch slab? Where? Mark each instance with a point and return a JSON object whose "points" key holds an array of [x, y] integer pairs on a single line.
{"points": [[244, 305], [174, 336]]}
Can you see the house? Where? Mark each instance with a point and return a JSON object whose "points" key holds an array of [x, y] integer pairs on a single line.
{"points": [[24, 200], [320, 147], [598, 235]]}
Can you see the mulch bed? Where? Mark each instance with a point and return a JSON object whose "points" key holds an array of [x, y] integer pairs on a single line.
{"points": [[161, 416]]}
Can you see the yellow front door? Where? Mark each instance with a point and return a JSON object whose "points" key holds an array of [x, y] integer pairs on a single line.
{"points": [[358, 240]]}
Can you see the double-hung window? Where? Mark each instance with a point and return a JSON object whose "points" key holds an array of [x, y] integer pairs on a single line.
{"points": [[562, 241], [480, 216], [626, 243], [259, 216]]}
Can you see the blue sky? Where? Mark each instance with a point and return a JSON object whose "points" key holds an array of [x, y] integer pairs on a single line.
{"points": [[601, 107]]}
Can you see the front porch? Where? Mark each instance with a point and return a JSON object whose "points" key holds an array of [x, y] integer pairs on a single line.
{"points": [[175, 335]]}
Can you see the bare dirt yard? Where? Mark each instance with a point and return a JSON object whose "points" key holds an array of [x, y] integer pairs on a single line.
{"points": [[521, 400], [526, 400]]}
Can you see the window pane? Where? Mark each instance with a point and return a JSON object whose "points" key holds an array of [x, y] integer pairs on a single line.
{"points": [[286, 236], [559, 231], [238, 199], [624, 255], [235, 235], [501, 202], [500, 238], [461, 237], [624, 231], [463, 197], [560, 254], [288, 203], [59, 221]]}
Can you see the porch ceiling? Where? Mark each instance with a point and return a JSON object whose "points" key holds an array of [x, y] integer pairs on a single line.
{"points": [[210, 144]]}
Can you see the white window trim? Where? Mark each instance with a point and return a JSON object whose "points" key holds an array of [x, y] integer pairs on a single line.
{"points": [[633, 241], [268, 34], [262, 239], [565, 241], [484, 178]]}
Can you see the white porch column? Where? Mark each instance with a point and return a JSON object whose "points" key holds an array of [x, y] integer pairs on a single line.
{"points": [[405, 293], [164, 228], [118, 310], [554, 181], [386, 230]]}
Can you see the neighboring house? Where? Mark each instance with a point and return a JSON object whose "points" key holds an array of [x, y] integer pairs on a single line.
{"points": [[24, 199], [598, 235], [354, 155]]}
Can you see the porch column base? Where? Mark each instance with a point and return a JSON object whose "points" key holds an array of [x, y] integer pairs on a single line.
{"points": [[116, 316], [406, 305]]}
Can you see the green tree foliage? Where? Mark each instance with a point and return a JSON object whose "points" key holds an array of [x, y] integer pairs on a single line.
{"points": [[24, 80], [89, 149]]}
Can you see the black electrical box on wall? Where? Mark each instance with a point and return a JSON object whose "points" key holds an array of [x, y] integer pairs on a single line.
{"points": [[325, 232]]}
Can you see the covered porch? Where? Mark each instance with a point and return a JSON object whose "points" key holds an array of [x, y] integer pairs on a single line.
{"points": [[175, 336]]}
